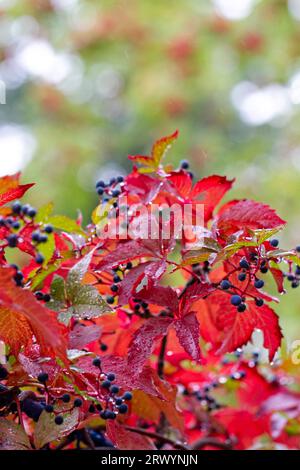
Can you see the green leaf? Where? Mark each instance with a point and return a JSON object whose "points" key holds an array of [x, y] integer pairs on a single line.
{"points": [[77, 273], [47, 431], [66, 224], [39, 278], [47, 249], [13, 436], [57, 289], [44, 213], [87, 302]]}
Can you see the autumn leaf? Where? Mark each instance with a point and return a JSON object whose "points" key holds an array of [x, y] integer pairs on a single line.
{"points": [[144, 341], [46, 430], [22, 317], [159, 149], [10, 189], [127, 440], [246, 214], [13, 436], [187, 331]]}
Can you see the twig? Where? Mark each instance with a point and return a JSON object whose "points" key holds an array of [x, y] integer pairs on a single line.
{"points": [[212, 441], [161, 357], [159, 437]]}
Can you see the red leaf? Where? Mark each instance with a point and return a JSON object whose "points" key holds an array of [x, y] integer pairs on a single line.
{"points": [[247, 214], [187, 331], [238, 327], [82, 335], [193, 293], [41, 322], [209, 191], [278, 278], [144, 273], [160, 295], [144, 341], [124, 252], [127, 440], [10, 188]]}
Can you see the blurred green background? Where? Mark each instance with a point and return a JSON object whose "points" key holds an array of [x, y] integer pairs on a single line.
{"points": [[89, 82]]}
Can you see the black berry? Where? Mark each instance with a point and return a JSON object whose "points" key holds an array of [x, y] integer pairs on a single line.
{"points": [[48, 228], [12, 240], [225, 284], [66, 398], [123, 408], [274, 242], [78, 402], [244, 264], [236, 300], [97, 362], [259, 302], [58, 420], [259, 283], [43, 377], [127, 396]]}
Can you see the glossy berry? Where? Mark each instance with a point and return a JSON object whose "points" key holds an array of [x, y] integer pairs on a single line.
{"points": [[184, 165], [290, 277], [118, 401], [298, 249], [114, 389], [236, 300], [297, 271], [110, 299], [32, 212], [114, 288], [35, 237], [92, 408], [242, 276], [259, 283], [100, 191], [49, 408], [111, 377], [16, 225], [106, 384], [274, 242], [58, 420], [39, 259], [103, 347], [12, 240], [97, 362], [100, 184], [241, 308], [129, 265], [116, 193], [39, 295], [244, 264], [127, 396], [46, 298], [43, 377], [16, 207], [43, 238], [264, 269], [66, 398], [120, 179], [48, 228], [295, 284], [116, 278], [78, 402], [123, 408], [259, 302], [225, 284]]}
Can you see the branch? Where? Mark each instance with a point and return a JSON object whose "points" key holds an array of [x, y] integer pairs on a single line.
{"points": [[212, 441], [159, 437], [161, 357]]}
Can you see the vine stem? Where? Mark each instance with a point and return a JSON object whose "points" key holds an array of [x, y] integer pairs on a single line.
{"points": [[161, 357], [160, 437]]}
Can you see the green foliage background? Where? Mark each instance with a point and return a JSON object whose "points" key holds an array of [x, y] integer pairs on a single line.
{"points": [[141, 69]]}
